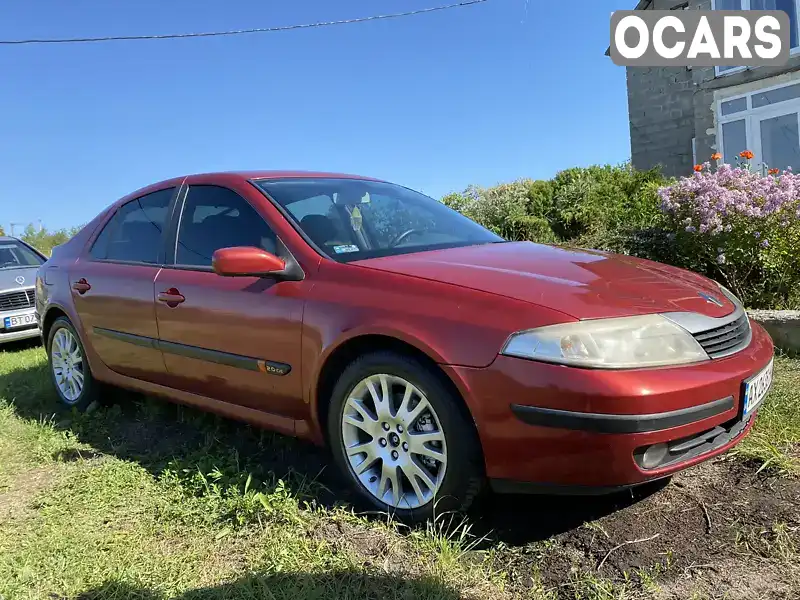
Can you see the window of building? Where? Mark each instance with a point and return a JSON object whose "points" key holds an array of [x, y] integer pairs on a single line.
{"points": [[791, 7], [767, 122], [215, 217], [134, 233]]}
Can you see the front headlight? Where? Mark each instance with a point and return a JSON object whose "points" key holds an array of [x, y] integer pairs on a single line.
{"points": [[621, 343]]}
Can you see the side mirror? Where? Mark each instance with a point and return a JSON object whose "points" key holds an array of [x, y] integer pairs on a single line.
{"points": [[246, 261]]}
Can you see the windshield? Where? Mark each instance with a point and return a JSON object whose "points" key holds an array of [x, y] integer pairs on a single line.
{"points": [[353, 219], [14, 255]]}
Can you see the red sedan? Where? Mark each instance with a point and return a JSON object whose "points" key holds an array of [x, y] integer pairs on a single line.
{"points": [[432, 356]]}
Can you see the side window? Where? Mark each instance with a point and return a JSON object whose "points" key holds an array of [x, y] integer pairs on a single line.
{"points": [[214, 217], [134, 233], [100, 246]]}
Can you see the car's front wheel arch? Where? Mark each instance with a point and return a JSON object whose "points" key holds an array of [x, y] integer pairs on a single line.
{"points": [[352, 349], [50, 317]]}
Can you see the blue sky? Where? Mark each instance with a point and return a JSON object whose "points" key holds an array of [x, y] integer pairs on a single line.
{"points": [[483, 94]]}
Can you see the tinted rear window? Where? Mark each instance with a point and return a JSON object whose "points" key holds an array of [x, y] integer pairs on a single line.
{"points": [[134, 233]]}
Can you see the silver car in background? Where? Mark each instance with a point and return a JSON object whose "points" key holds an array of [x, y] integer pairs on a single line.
{"points": [[18, 265]]}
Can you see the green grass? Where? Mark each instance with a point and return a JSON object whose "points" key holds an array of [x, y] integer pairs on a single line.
{"points": [[149, 500], [107, 519]]}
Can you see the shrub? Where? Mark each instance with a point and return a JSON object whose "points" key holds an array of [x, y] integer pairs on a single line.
{"points": [[596, 206], [44, 241], [600, 203], [515, 211], [738, 226]]}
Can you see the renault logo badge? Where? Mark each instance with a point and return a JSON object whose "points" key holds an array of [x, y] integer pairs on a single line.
{"points": [[710, 299]]}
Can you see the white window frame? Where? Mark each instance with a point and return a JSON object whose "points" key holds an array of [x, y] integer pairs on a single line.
{"points": [[752, 118], [746, 6]]}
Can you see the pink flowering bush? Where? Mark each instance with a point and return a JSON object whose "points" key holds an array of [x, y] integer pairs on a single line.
{"points": [[739, 226]]}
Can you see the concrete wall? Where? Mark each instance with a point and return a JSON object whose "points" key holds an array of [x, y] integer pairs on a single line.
{"points": [[782, 325], [661, 110], [662, 122]]}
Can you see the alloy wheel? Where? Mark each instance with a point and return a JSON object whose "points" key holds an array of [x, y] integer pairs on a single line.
{"points": [[394, 441], [67, 361]]}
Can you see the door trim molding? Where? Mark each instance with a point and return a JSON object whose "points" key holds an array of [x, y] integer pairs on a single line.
{"points": [[205, 354], [130, 338]]}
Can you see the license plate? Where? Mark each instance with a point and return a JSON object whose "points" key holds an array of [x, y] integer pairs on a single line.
{"points": [[19, 321], [756, 388]]}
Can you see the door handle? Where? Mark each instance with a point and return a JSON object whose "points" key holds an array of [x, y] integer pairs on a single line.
{"points": [[172, 297], [81, 286]]}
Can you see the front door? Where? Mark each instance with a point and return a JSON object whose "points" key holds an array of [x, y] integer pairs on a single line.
{"points": [[113, 287], [234, 339]]}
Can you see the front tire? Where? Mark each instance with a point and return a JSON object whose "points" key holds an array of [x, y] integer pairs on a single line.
{"points": [[402, 438], [69, 369]]}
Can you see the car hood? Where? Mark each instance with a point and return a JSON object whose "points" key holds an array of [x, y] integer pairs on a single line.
{"points": [[10, 278], [584, 284]]}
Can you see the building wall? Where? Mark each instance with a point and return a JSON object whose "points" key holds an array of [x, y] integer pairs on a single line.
{"points": [[662, 121], [661, 110], [670, 106]]}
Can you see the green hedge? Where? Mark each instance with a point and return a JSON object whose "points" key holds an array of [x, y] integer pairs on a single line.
{"points": [[602, 205]]}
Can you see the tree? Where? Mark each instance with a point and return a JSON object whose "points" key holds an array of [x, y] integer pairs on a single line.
{"points": [[44, 241]]}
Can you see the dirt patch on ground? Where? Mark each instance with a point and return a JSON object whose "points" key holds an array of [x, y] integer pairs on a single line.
{"points": [[381, 553], [727, 579], [372, 547], [16, 499], [718, 529]]}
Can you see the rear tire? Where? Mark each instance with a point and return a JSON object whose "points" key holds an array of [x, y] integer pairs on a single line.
{"points": [[403, 439], [69, 369]]}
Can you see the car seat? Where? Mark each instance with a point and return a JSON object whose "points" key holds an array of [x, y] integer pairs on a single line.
{"points": [[319, 228]]}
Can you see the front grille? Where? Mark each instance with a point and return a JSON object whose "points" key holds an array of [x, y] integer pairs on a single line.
{"points": [[17, 299], [725, 340]]}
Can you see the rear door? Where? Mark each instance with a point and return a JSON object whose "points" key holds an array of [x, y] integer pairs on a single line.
{"points": [[234, 339], [112, 286]]}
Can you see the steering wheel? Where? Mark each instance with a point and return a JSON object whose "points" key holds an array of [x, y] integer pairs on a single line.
{"points": [[404, 235]]}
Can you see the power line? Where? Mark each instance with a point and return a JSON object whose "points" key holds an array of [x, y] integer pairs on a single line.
{"points": [[170, 36]]}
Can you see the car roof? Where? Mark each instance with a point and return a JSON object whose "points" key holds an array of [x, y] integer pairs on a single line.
{"points": [[242, 175], [8, 238], [288, 174]]}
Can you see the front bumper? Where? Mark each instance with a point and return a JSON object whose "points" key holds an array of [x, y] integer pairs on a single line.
{"points": [[18, 334], [11, 335], [562, 429]]}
